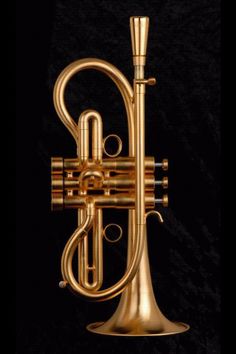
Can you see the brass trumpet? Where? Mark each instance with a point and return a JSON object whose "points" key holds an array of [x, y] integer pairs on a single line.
{"points": [[122, 182]]}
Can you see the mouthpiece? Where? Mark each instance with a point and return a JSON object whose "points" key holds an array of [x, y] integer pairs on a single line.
{"points": [[139, 26]]}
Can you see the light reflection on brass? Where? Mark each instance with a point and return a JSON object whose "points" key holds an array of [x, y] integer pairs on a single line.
{"points": [[91, 184]]}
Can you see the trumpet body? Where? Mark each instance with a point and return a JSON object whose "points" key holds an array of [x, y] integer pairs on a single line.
{"points": [[91, 183]]}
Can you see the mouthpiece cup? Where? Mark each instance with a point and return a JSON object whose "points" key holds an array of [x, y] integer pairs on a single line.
{"points": [[139, 26]]}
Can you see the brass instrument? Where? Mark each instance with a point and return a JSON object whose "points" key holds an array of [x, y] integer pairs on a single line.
{"points": [[90, 183]]}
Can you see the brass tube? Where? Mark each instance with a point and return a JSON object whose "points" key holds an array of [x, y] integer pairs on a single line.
{"points": [[98, 250], [118, 200], [90, 184], [119, 182], [83, 155], [82, 251], [97, 262], [119, 164], [71, 245], [139, 229], [139, 114], [127, 94], [67, 257], [108, 69], [83, 137]]}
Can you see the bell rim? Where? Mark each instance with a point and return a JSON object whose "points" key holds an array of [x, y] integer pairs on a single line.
{"points": [[94, 328]]}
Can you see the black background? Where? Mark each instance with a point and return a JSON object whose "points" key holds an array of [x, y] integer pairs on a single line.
{"points": [[182, 123]]}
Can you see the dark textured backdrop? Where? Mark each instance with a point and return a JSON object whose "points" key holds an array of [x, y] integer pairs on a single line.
{"points": [[182, 123]]}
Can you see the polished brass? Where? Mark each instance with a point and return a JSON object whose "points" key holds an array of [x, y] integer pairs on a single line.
{"points": [[118, 200], [120, 164], [106, 235], [91, 183], [165, 182], [119, 141], [165, 164], [119, 182], [165, 200]]}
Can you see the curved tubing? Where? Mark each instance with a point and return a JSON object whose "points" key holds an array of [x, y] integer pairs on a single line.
{"points": [[83, 136], [83, 154], [67, 256], [108, 69], [102, 295], [76, 237]]}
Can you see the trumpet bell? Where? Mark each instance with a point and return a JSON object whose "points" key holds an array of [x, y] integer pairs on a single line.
{"points": [[160, 326], [128, 320], [138, 313], [91, 184]]}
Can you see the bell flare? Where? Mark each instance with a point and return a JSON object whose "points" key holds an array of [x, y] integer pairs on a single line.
{"points": [[138, 313], [122, 325]]}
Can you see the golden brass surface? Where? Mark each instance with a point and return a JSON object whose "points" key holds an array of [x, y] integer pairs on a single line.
{"points": [[118, 200], [120, 164], [165, 182], [139, 26], [107, 237], [91, 184], [165, 200], [120, 182], [165, 164], [119, 141]]}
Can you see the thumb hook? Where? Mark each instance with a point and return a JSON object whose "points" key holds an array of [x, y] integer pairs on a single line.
{"points": [[157, 213]]}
